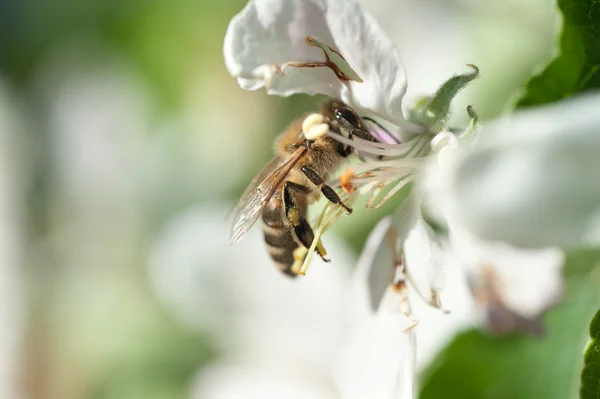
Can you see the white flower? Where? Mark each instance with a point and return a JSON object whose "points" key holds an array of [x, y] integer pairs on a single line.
{"points": [[331, 47], [532, 178], [278, 337], [285, 46], [513, 286], [509, 287]]}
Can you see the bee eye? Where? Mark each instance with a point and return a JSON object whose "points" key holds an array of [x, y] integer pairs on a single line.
{"points": [[348, 115]]}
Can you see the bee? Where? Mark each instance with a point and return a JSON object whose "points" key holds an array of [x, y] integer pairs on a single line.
{"points": [[295, 178]]}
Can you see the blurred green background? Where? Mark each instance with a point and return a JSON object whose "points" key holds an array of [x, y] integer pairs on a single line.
{"points": [[117, 117]]}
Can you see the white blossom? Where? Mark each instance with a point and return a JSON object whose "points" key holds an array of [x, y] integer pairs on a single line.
{"points": [[532, 178], [513, 286], [278, 337], [269, 41], [332, 47]]}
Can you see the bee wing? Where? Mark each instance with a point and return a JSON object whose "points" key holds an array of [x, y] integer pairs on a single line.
{"points": [[252, 203], [266, 171]]}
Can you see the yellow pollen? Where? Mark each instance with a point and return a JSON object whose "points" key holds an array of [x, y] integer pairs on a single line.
{"points": [[294, 217]]}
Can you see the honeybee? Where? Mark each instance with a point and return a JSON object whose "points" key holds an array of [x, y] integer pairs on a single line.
{"points": [[295, 178]]}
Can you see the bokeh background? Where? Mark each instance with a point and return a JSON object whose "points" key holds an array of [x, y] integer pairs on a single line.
{"points": [[123, 144]]}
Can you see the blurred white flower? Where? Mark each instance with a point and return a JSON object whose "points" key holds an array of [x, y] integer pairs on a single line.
{"points": [[531, 179], [98, 117], [513, 286], [279, 337], [486, 284]]}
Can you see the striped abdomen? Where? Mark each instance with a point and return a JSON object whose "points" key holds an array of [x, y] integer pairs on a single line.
{"points": [[279, 237]]}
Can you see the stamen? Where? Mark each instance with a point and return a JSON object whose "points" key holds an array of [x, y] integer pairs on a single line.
{"points": [[399, 280], [373, 144], [380, 133], [422, 147], [331, 212], [346, 181], [376, 192], [399, 184], [376, 178], [413, 147], [395, 165]]}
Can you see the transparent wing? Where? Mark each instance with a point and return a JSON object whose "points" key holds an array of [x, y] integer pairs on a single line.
{"points": [[266, 171], [252, 203]]}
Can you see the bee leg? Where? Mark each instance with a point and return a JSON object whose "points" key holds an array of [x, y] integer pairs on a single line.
{"points": [[302, 229], [327, 191]]}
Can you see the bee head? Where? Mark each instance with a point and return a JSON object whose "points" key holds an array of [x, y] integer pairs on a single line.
{"points": [[347, 120]]}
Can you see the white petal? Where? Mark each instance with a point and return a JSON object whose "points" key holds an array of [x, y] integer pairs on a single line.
{"points": [[423, 254], [432, 267], [424, 258], [405, 231], [268, 34], [373, 274], [437, 328], [378, 361], [377, 354], [279, 381], [527, 282], [532, 180], [237, 293]]}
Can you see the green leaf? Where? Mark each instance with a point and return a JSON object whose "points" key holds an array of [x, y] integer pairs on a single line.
{"points": [[581, 262], [519, 366], [577, 68], [590, 376]]}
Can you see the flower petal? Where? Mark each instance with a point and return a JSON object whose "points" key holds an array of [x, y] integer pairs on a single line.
{"points": [[375, 271], [424, 258], [252, 382], [256, 312], [378, 360], [532, 180], [373, 274], [437, 328], [514, 286], [268, 35], [423, 253]]}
